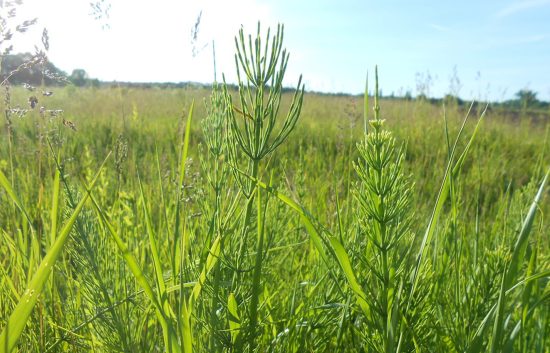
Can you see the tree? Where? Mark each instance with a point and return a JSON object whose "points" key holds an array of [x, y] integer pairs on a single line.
{"points": [[527, 98], [30, 69], [79, 77]]}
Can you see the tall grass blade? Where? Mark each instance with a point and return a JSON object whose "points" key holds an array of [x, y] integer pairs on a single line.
{"points": [[233, 318], [18, 319], [55, 205], [499, 319], [4, 182], [520, 246], [176, 255], [154, 251], [316, 237], [451, 169], [343, 260], [510, 274], [169, 334], [211, 260]]}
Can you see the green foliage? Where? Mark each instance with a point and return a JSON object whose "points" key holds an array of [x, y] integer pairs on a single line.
{"points": [[29, 69], [313, 234], [79, 77], [527, 98], [384, 240]]}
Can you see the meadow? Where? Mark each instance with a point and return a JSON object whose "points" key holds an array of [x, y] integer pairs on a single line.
{"points": [[217, 220]]}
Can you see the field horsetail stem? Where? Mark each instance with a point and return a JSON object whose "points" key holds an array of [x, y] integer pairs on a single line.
{"points": [[254, 132], [384, 242]]}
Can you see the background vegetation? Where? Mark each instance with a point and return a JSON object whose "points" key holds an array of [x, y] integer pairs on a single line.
{"points": [[194, 219]]}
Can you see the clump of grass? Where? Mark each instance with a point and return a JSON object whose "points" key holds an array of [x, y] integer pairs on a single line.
{"points": [[139, 268]]}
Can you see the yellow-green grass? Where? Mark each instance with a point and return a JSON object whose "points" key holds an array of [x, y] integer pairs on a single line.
{"points": [[287, 270]]}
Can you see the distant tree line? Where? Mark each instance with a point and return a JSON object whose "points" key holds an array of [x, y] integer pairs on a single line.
{"points": [[16, 67], [23, 69], [524, 99]]}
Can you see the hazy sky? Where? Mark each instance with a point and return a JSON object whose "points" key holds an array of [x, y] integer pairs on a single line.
{"points": [[497, 47]]}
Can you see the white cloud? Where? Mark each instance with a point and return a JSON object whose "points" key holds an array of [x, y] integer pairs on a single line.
{"points": [[519, 6], [153, 43], [146, 41]]}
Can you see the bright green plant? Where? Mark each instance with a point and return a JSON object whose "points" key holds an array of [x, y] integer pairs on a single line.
{"points": [[255, 131], [173, 255], [384, 240], [13, 329]]}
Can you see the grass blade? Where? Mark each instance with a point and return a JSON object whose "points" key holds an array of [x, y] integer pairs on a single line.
{"points": [[18, 319], [170, 338], [451, 169], [499, 319], [4, 182], [154, 251], [511, 273], [316, 237], [233, 318], [343, 260], [55, 204], [520, 247], [213, 256]]}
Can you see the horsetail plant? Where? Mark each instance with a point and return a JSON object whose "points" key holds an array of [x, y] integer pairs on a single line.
{"points": [[253, 125], [383, 194], [216, 170], [255, 131]]}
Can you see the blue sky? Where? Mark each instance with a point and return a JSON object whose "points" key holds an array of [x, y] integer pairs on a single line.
{"points": [[495, 47]]}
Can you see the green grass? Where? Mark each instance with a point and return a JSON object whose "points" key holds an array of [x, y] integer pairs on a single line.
{"points": [[215, 229]]}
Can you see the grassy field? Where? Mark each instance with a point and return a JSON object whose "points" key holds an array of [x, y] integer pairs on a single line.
{"points": [[137, 222]]}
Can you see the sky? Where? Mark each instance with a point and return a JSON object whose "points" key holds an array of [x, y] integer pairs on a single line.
{"points": [[494, 48]]}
